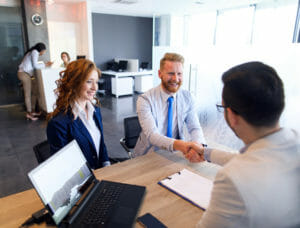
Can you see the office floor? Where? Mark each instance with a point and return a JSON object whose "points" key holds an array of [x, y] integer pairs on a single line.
{"points": [[18, 136]]}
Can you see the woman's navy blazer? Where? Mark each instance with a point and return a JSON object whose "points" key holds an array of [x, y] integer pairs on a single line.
{"points": [[62, 129]]}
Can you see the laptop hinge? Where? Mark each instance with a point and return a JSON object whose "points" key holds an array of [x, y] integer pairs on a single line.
{"points": [[77, 208]]}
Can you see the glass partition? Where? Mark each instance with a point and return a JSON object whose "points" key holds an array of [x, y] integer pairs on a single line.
{"points": [[211, 46], [11, 53]]}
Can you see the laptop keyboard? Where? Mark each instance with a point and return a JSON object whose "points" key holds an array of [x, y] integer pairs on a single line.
{"points": [[103, 203]]}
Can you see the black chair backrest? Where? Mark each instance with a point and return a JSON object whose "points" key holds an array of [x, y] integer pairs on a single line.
{"points": [[132, 130], [42, 151]]}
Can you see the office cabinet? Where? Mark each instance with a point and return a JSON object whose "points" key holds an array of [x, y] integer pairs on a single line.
{"points": [[143, 83], [122, 86]]}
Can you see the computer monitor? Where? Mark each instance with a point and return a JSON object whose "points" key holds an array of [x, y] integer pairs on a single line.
{"points": [[144, 65], [80, 57], [115, 66], [132, 64], [123, 65]]}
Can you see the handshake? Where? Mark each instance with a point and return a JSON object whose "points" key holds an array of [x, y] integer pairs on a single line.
{"points": [[193, 151]]}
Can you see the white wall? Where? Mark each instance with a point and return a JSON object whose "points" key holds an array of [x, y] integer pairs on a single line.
{"points": [[58, 31], [68, 30]]}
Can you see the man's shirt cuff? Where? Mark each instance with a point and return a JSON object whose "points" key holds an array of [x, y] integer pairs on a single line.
{"points": [[207, 152], [171, 145]]}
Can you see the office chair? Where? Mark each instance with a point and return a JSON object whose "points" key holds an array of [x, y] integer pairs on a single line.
{"points": [[42, 151], [101, 86], [132, 131]]}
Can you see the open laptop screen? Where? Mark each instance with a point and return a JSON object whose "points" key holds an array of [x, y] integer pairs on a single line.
{"points": [[59, 178]]}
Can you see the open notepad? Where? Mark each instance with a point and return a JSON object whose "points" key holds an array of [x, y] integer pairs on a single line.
{"points": [[190, 186]]}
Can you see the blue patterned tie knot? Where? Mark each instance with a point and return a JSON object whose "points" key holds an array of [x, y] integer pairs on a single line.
{"points": [[170, 117]]}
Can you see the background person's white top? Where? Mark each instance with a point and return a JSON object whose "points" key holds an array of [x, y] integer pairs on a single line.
{"points": [[30, 63]]}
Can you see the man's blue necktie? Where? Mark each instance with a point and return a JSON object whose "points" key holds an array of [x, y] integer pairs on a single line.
{"points": [[170, 117]]}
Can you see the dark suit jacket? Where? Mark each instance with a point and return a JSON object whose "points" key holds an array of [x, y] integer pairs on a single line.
{"points": [[62, 129]]}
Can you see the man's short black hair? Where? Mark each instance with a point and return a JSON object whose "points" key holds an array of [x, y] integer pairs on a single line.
{"points": [[254, 91]]}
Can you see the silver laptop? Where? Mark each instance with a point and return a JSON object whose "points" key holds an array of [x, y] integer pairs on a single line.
{"points": [[74, 197]]}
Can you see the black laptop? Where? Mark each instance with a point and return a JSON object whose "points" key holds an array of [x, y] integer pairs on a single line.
{"points": [[75, 198]]}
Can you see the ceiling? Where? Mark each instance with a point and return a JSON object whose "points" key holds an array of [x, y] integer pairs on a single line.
{"points": [[148, 8]]}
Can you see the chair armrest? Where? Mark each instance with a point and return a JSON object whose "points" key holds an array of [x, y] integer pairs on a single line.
{"points": [[117, 160], [122, 142]]}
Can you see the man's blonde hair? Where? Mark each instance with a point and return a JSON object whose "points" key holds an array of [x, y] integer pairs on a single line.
{"points": [[173, 57]]}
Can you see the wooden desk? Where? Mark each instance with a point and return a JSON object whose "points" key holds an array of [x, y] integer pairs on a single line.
{"points": [[145, 170]]}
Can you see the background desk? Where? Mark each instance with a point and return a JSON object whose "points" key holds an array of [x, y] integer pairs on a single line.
{"points": [[122, 82], [146, 170]]}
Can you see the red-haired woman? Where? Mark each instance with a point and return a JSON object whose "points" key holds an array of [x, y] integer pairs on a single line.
{"points": [[75, 116]]}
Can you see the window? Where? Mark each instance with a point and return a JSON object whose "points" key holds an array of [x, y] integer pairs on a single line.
{"points": [[274, 25], [201, 29], [234, 27]]}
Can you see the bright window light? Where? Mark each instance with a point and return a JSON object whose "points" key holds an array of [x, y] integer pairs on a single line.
{"points": [[201, 29], [274, 25], [234, 26]]}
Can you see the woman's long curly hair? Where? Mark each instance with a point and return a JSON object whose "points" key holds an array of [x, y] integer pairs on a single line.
{"points": [[70, 83]]}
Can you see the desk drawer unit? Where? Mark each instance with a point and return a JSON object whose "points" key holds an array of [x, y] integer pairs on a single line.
{"points": [[122, 86], [143, 83]]}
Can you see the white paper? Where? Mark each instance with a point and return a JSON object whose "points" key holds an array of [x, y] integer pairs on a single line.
{"points": [[191, 186]]}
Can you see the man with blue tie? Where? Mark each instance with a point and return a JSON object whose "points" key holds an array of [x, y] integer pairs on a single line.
{"points": [[164, 112]]}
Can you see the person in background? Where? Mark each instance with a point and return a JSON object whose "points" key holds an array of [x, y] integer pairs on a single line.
{"points": [[26, 75], [260, 187], [65, 57], [75, 117], [164, 110]]}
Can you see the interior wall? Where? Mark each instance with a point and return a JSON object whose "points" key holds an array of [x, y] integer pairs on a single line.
{"points": [[116, 36], [67, 27]]}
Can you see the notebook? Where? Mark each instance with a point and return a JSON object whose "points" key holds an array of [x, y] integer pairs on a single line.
{"points": [[75, 198], [190, 186]]}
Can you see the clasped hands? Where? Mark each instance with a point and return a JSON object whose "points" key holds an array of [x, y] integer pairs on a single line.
{"points": [[193, 151]]}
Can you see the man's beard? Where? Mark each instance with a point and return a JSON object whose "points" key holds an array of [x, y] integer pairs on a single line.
{"points": [[170, 88], [226, 119]]}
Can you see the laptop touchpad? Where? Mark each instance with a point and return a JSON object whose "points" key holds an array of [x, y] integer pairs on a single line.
{"points": [[123, 215]]}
